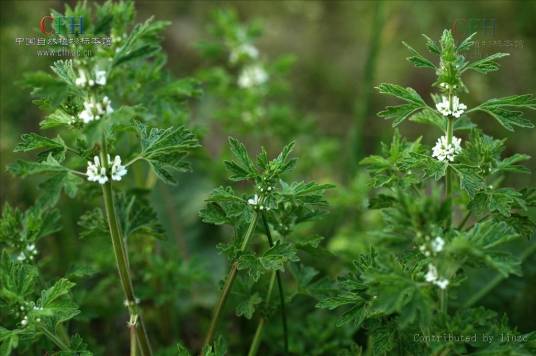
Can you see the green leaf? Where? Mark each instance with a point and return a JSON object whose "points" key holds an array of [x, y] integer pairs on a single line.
{"points": [[509, 164], [407, 94], [277, 256], [501, 200], [301, 192], [8, 341], [213, 214], [218, 348], [401, 112], [508, 119], [137, 217], [93, 224], [25, 168], [34, 141], [224, 207], [502, 110], [282, 163], [252, 264], [467, 43], [485, 65], [247, 307], [17, 280], [181, 89], [469, 180], [52, 187], [418, 59], [395, 291], [57, 118], [242, 167], [64, 70], [182, 350], [339, 300], [142, 42], [57, 303], [431, 45], [166, 150], [18, 228], [480, 244], [51, 296]]}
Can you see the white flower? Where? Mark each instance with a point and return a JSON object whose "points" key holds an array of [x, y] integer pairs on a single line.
{"points": [[95, 172], [443, 106], [94, 110], [252, 76], [24, 321], [442, 283], [431, 275], [21, 257], [100, 77], [107, 105], [437, 244], [445, 151], [118, 170], [458, 108], [244, 50], [424, 250], [82, 78], [89, 113], [254, 201]]}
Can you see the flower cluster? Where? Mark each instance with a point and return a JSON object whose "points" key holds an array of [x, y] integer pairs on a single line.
{"points": [[96, 172], [433, 247], [25, 319], [445, 109], [85, 79], [257, 201], [433, 277], [251, 76], [94, 110], [244, 50], [447, 151], [29, 253]]}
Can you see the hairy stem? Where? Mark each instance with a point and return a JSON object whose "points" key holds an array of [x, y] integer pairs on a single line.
{"points": [[464, 221], [121, 260], [258, 333], [443, 301], [448, 177], [56, 340], [229, 280], [443, 298], [279, 287], [133, 345], [496, 280]]}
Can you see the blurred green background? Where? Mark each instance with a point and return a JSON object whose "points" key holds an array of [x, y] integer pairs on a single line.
{"points": [[342, 49]]}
